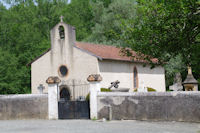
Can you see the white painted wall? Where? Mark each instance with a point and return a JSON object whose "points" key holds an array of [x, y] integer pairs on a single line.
{"points": [[154, 78], [40, 71], [116, 70], [81, 64], [84, 64], [123, 71]]}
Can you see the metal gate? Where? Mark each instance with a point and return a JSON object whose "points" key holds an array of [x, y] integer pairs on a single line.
{"points": [[73, 109]]}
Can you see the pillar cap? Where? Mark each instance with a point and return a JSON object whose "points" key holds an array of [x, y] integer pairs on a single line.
{"points": [[94, 78], [53, 80]]}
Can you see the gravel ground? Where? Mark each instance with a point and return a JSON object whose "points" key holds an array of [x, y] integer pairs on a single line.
{"points": [[88, 126]]}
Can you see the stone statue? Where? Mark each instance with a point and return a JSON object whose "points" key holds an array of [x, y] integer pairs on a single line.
{"points": [[177, 86], [114, 84]]}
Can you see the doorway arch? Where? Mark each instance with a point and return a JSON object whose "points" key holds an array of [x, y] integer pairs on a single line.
{"points": [[65, 93]]}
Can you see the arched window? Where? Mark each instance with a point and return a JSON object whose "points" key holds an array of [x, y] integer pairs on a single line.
{"points": [[135, 78], [61, 32], [64, 93]]}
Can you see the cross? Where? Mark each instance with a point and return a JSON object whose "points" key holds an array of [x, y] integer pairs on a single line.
{"points": [[41, 88], [61, 18]]}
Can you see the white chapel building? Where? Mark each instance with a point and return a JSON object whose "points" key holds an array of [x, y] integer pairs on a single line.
{"points": [[74, 61]]}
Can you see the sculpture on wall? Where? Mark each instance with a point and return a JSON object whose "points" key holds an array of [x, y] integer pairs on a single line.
{"points": [[177, 86], [114, 84]]}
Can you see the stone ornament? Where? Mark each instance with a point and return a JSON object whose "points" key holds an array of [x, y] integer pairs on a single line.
{"points": [[94, 77], [53, 80], [190, 83], [177, 86], [114, 84]]}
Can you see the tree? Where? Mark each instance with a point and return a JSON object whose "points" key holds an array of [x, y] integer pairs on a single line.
{"points": [[25, 34], [108, 20], [164, 30], [79, 14]]}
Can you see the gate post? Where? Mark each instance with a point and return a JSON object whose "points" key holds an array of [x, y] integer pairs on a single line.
{"points": [[53, 97], [94, 80]]}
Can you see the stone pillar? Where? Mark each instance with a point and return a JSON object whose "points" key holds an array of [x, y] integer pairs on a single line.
{"points": [[190, 83], [95, 87], [53, 97]]}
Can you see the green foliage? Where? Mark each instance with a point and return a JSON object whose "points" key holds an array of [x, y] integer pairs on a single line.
{"points": [[25, 34], [88, 97], [79, 14], [102, 90], [149, 89], [166, 30], [163, 28], [173, 66], [105, 90], [108, 20]]}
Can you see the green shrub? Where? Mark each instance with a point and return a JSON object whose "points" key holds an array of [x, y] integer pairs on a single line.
{"points": [[149, 89], [105, 90], [102, 90], [88, 97]]}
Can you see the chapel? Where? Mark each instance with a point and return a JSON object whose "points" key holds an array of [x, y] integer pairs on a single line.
{"points": [[74, 61]]}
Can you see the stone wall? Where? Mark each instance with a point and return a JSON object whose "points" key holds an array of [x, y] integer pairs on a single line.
{"points": [[164, 106], [26, 106]]}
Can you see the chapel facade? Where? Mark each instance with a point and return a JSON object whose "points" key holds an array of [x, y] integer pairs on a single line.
{"points": [[74, 61]]}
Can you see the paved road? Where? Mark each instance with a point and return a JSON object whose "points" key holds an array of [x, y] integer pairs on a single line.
{"points": [[87, 126]]}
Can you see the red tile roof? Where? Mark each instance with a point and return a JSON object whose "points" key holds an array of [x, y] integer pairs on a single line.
{"points": [[106, 52], [109, 52]]}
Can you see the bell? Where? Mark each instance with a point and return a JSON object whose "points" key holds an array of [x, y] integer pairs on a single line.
{"points": [[61, 32]]}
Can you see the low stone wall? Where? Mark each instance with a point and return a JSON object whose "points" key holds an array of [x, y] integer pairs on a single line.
{"points": [[165, 106], [25, 106]]}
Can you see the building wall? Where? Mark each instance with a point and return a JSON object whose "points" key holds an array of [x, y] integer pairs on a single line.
{"points": [[163, 106], [116, 70], [83, 65], [26, 106], [154, 78], [40, 71], [123, 71], [80, 64]]}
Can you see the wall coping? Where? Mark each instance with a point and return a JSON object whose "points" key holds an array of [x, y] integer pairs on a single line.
{"points": [[122, 94], [22, 96]]}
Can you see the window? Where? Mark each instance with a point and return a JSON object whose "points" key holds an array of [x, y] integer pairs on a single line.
{"points": [[135, 78], [61, 32], [63, 71]]}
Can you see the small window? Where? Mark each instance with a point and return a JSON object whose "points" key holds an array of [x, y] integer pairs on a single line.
{"points": [[63, 70], [61, 32], [135, 78]]}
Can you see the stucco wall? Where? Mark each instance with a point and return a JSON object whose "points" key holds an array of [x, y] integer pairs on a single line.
{"points": [[40, 71], [84, 64], [28, 106], [80, 64], [167, 106], [123, 71]]}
